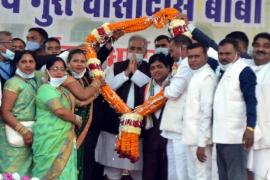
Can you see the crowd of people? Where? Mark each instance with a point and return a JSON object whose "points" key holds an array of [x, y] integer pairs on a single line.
{"points": [[54, 124]]}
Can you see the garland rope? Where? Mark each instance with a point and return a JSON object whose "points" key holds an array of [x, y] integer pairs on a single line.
{"points": [[127, 144]]}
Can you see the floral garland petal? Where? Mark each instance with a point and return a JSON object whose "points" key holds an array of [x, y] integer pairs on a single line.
{"points": [[127, 144], [114, 100], [153, 104]]}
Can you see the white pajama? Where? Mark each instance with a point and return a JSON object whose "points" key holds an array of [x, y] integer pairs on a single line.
{"points": [[177, 165], [116, 173], [214, 163], [196, 169], [105, 153], [259, 155], [259, 163]]}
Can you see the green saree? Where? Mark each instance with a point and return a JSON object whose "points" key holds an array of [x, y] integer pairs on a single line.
{"points": [[84, 112], [19, 159], [54, 150]]}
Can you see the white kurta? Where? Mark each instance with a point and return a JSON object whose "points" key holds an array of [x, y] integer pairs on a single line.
{"points": [[105, 152], [198, 111], [175, 92], [176, 150], [259, 157], [197, 121]]}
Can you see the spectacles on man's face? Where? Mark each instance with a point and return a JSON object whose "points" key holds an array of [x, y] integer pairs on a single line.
{"points": [[62, 69]]}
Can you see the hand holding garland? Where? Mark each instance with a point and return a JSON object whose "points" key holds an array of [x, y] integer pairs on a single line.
{"points": [[127, 144]]}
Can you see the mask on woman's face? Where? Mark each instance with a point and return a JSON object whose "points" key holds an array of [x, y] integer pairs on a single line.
{"points": [[56, 82], [32, 45], [24, 75], [78, 75]]}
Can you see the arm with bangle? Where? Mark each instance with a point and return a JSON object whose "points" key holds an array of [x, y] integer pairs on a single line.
{"points": [[8, 101], [80, 92], [59, 110], [247, 85]]}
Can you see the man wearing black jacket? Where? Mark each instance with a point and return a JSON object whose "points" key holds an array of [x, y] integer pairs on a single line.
{"points": [[128, 78]]}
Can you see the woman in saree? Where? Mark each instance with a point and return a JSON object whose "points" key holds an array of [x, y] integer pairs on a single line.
{"points": [[54, 149], [77, 68], [18, 107]]}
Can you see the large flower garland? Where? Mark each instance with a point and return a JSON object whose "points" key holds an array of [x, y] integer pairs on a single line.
{"points": [[127, 144]]}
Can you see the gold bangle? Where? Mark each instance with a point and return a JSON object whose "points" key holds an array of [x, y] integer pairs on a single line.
{"points": [[18, 127], [251, 129], [95, 85], [23, 131]]}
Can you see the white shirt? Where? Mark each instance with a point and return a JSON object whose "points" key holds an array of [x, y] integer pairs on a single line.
{"points": [[261, 132], [156, 89], [178, 85], [198, 107], [179, 81], [138, 78]]}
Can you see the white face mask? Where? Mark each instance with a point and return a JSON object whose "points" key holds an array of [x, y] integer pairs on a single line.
{"points": [[8, 54], [164, 51], [78, 76], [139, 57], [194, 71], [56, 82], [32, 45], [24, 75], [224, 67]]}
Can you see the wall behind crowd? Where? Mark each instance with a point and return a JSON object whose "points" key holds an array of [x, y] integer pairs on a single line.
{"points": [[71, 21]]}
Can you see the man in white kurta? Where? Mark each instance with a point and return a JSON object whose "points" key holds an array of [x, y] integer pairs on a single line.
{"points": [[198, 114], [172, 119], [259, 158], [128, 78]]}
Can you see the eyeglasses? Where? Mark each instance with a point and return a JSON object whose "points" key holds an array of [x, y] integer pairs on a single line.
{"points": [[62, 69]]}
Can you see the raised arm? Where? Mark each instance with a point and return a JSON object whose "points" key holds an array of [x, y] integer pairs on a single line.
{"points": [[80, 92]]}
